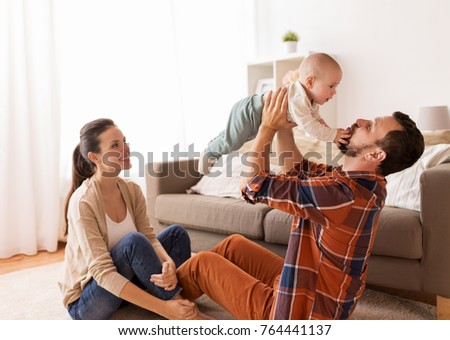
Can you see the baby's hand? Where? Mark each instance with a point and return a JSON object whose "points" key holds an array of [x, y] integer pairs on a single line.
{"points": [[342, 136]]}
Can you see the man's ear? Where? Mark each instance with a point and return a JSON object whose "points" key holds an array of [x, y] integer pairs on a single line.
{"points": [[309, 81], [92, 157], [377, 156]]}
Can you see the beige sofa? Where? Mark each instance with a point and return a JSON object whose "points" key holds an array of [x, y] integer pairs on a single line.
{"points": [[411, 251]]}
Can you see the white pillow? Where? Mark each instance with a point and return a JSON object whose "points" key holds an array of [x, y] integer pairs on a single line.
{"points": [[403, 188], [224, 180]]}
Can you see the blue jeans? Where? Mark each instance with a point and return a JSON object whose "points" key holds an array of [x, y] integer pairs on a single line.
{"points": [[135, 259]]}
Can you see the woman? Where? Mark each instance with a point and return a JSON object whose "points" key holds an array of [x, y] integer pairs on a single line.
{"points": [[112, 253]]}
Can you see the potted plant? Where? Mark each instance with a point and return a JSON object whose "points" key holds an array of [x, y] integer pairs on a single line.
{"points": [[290, 40]]}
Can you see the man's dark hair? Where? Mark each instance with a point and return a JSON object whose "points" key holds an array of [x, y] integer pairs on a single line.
{"points": [[403, 147]]}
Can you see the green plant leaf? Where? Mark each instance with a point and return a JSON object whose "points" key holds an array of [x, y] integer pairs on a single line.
{"points": [[290, 36]]}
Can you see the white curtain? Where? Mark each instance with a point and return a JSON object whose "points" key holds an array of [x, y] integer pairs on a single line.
{"points": [[29, 130]]}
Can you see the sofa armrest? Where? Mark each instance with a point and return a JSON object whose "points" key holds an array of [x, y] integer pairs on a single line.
{"points": [[168, 177], [435, 217]]}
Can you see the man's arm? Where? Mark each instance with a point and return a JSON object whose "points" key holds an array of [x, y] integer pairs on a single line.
{"points": [[287, 152], [307, 197], [273, 119]]}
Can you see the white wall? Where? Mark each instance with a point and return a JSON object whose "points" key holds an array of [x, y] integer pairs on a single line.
{"points": [[165, 72], [395, 54]]}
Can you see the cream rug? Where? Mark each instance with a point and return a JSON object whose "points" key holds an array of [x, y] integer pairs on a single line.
{"points": [[33, 294]]}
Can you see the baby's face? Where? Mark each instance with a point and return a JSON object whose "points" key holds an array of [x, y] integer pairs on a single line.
{"points": [[324, 87]]}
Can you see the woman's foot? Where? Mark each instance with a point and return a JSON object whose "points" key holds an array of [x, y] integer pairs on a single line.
{"points": [[197, 314]]}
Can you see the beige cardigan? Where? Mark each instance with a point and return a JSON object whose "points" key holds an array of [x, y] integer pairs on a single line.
{"points": [[86, 254]]}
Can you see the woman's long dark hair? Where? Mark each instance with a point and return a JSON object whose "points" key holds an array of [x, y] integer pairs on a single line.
{"points": [[82, 167]]}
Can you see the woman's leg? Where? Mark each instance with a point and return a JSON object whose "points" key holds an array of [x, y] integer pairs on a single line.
{"points": [[241, 292], [176, 242], [95, 303], [134, 257]]}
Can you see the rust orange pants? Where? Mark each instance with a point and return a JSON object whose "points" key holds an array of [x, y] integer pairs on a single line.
{"points": [[238, 274]]}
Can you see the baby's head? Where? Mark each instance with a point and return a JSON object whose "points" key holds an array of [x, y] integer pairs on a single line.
{"points": [[320, 74]]}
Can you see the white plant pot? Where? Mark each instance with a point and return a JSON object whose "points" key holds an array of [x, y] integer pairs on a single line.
{"points": [[290, 46]]}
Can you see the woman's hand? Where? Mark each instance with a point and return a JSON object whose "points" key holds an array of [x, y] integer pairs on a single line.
{"points": [[179, 309], [168, 277]]}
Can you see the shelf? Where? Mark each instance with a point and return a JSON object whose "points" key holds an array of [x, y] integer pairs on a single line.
{"points": [[271, 69]]}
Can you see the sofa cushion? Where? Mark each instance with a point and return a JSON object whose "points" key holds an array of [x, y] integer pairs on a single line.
{"points": [[403, 188], [213, 214], [436, 137], [277, 226], [399, 234], [224, 179]]}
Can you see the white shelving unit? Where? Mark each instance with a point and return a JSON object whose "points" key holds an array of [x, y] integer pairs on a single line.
{"points": [[276, 69], [271, 69]]}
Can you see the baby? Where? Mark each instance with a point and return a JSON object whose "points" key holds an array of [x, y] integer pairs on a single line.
{"points": [[320, 74]]}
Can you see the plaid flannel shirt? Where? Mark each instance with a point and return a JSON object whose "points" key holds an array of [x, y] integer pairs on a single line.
{"points": [[335, 222]]}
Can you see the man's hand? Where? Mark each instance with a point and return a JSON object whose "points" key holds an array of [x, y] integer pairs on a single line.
{"points": [[274, 115], [273, 119]]}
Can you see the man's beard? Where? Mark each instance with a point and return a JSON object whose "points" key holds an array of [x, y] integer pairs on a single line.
{"points": [[350, 150], [344, 147]]}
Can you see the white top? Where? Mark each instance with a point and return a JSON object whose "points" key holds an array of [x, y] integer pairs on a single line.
{"points": [[116, 231], [306, 115]]}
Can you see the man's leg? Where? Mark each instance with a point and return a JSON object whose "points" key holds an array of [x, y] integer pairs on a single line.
{"points": [[263, 265], [228, 284]]}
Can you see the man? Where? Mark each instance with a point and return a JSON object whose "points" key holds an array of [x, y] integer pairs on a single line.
{"points": [[336, 213]]}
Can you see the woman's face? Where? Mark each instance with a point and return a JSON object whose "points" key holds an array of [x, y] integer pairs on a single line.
{"points": [[114, 155]]}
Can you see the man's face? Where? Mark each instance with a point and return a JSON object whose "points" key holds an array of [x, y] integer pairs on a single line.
{"points": [[366, 132]]}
